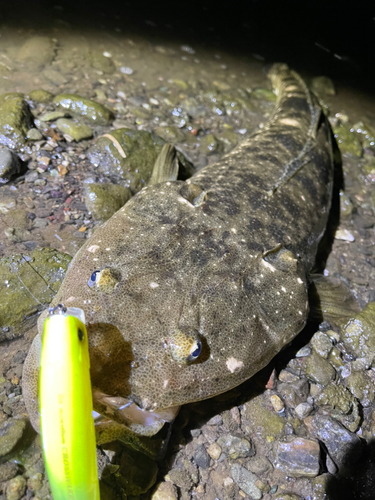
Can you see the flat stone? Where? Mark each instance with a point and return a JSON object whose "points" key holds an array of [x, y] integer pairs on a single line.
{"points": [[235, 446], [319, 370], [246, 481], [343, 446], [298, 457]]}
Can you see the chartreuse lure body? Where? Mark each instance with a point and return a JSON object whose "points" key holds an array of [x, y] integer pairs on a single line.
{"points": [[67, 425]]}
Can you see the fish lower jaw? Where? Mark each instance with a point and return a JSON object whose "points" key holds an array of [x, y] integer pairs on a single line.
{"points": [[124, 411]]}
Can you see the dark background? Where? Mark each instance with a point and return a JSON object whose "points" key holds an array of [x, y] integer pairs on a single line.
{"points": [[330, 37]]}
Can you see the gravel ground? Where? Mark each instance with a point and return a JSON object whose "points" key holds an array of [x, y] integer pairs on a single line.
{"points": [[302, 428]]}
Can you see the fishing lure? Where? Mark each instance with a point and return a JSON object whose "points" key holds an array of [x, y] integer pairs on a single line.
{"points": [[67, 425]]}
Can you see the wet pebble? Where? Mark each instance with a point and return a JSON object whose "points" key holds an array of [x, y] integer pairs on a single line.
{"points": [[9, 164], [181, 478], [35, 482], [16, 488], [74, 128], [12, 432], [165, 491], [319, 370], [214, 450], [33, 134], [303, 410], [294, 393], [7, 471], [86, 108], [31, 176], [321, 344], [235, 446], [298, 457], [277, 403], [343, 446], [246, 481], [103, 200], [362, 387], [15, 120], [344, 234], [201, 457]]}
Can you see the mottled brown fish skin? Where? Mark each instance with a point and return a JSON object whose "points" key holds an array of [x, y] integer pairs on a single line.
{"points": [[228, 264]]}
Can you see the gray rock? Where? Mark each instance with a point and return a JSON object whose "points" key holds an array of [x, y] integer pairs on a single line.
{"points": [[9, 165], [201, 457], [12, 432], [235, 446], [40, 223], [294, 393], [246, 481], [298, 457], [339, 441]]}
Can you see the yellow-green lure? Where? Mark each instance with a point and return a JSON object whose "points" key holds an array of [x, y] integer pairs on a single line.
{"points": [[67, 425]]}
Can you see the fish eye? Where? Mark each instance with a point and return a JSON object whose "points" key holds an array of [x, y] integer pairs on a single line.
{"points": [[184, 344], [91, 281], [196, 352]]}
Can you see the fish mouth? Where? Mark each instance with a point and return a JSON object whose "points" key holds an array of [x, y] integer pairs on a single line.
{"points": [[125, 411]]}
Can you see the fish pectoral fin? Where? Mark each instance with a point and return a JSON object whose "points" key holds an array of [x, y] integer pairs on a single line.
{"points": [[330, 299], [166, 166], [193, 193]]}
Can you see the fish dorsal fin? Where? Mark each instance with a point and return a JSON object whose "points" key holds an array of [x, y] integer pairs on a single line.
{"points": [[166, 166]]}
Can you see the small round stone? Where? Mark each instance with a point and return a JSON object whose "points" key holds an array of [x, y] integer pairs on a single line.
{"points": [[214, 451]]}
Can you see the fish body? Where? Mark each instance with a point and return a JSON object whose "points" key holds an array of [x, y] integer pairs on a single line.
{"points": [[194, 286]]}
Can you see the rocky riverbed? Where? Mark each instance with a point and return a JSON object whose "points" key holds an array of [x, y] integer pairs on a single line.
{"points": [[83, 116]]}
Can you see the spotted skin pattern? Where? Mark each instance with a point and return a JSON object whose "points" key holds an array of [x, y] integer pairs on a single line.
{"points": [[222, 258]]}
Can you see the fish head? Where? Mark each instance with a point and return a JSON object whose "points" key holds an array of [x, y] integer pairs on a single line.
{"points": [[164, 331]]}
